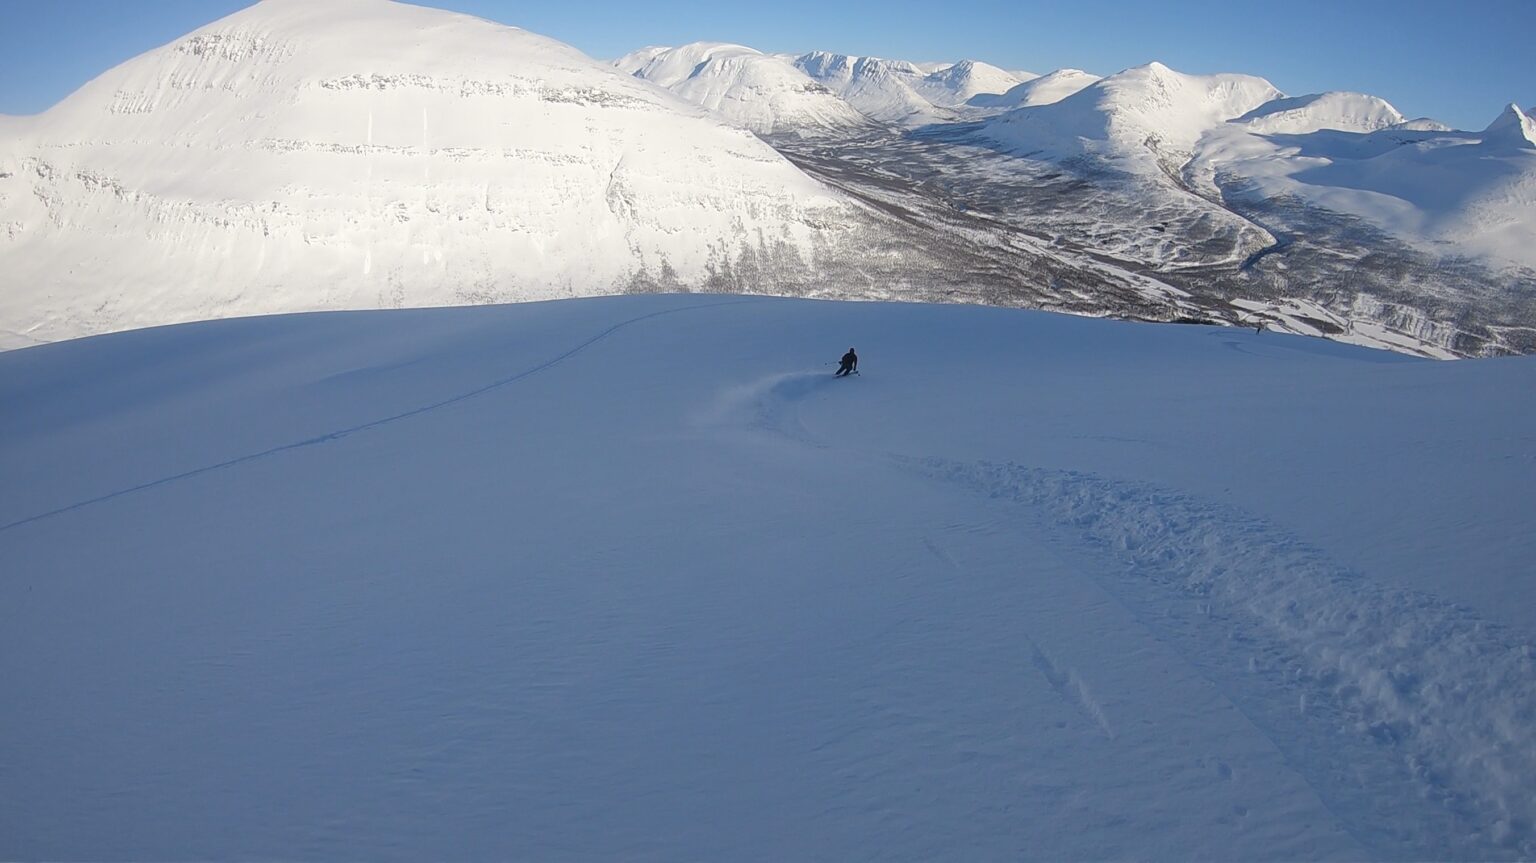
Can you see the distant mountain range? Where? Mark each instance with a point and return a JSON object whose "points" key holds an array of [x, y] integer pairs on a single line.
{"points": [[365, 153], [1329, 213]]}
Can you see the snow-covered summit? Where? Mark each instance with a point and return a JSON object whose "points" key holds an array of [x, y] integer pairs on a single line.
{"points": [[1458, 193], [965, 80], [901, 92], [746, 87], [1423, 124], [365, 153], [1513, 128], [883, 90], [1041, 90], [1350, 112], [1126, 114]]}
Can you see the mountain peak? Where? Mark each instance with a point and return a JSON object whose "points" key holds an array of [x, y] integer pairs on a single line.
{"points": [[1344, 111], [757, 91], [1512, 128], [363, 153], [1039, 90]]}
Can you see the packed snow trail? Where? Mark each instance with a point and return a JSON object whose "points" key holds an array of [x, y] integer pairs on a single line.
{"points": [[668, 598]]}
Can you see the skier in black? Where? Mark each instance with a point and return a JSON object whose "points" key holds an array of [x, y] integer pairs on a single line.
{"points": [[849, 366]]}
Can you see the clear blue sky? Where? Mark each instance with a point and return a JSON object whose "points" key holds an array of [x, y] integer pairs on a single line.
{"points": [[1460, 62]]}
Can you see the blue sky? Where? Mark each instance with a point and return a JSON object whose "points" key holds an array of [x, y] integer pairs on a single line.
{"points": [[1460, 62]]}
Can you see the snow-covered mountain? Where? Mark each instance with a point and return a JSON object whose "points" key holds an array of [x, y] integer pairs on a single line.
{"points": [[883, 90], [1148, 110], [1348, 112], [955, 86], [757, 91], [905, 93], [1041, 90], [1463, 193], [1512, 129], [630, 578], [364, 153], [1230, 137]]}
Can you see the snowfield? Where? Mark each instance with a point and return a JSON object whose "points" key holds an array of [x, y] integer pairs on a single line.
{"points": [[635, 577]]}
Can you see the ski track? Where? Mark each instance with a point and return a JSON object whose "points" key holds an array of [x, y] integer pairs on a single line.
{"points": [[1066, 681], [1407, 703], [1448, 694], [337, 434]]}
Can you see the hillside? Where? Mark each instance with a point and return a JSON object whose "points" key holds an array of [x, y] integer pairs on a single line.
{"points": [[636, 578], [363, 154]]}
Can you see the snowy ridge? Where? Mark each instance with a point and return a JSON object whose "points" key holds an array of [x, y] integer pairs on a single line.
{"points": [[1452, 192], [1125, 115], [883, 90], [1349, 112], [1514, 129], [904, 93], [1042, 90], [961, 83], [363, 153], [744, 87], [1423, 124]]}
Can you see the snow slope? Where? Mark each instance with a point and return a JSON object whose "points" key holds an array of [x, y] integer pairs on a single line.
{"points": [[635, 578], [748, 88], [1043, 90], [365, 153]]}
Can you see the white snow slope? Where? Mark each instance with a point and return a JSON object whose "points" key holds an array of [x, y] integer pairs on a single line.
{"points": [[748, 88], [363, 154], [636, 578]]}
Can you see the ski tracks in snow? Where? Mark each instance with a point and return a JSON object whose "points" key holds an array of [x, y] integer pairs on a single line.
{"points": [[1411, 718], [1065, 680], [1411, 704], [337, 434]]}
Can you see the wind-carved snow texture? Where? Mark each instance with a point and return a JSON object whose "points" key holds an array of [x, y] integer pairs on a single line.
{"points": [[1450, 695]]}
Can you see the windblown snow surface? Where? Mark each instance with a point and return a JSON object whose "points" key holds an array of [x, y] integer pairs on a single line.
{"points": [[637, 578]]}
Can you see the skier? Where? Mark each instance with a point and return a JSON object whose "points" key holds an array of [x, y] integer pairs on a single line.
{"points": [[849, 366]]}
